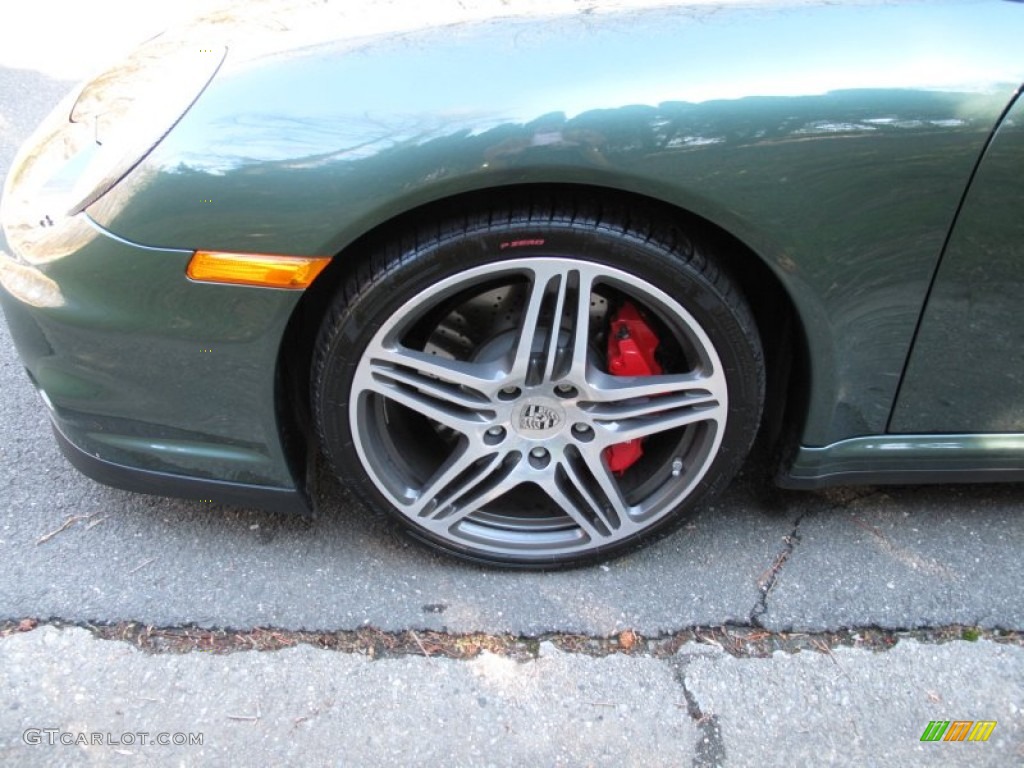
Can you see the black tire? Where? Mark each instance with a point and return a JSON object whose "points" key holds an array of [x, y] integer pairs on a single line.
{"points": [[440, 398]]}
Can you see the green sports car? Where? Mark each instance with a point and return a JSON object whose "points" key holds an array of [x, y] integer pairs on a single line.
{"points": [[532, 277]]}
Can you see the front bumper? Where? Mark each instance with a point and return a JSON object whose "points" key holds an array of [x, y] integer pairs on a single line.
{"points": [[154, 383], [165, 484]]}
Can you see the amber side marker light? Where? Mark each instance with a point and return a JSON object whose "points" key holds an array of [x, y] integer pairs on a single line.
{"points": [[255, 269]]}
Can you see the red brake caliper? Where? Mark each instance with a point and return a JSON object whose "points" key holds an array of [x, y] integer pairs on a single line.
{"points": [[631, 348]]}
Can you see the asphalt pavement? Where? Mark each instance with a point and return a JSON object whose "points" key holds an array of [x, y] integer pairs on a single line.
{"points": [[928, 565]]}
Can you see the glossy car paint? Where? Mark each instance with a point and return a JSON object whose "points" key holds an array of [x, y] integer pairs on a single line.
{"points": [[966, 373], [189, 395], [908, 459], [834, 144], [838, 153]]}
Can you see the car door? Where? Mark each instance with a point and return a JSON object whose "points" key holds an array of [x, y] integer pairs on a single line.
{"points": [[966, 370]]}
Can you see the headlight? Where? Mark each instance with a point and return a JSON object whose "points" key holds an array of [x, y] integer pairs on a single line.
{"points": [[95, 137], [126, 111]]}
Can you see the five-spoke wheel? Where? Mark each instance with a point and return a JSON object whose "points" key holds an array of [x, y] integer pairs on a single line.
{"points": [[564, 397]]}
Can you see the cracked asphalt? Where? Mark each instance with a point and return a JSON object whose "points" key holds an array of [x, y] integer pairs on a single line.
{"points": [[759, 557]]}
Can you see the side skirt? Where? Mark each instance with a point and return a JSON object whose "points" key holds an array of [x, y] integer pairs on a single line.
{"points": [[907, 459]]}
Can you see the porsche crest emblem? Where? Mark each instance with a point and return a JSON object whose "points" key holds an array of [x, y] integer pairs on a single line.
{"points": [[539, 418]]}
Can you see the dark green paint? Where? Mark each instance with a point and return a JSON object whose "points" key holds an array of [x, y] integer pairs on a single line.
{"points": [[124, 365], [846, 194], [966, 373], [835, 142], [909, 459]]}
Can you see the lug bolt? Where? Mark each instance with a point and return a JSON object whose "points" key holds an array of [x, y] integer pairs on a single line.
{"points": [[565, 390], [583, 432], [539, 458]]}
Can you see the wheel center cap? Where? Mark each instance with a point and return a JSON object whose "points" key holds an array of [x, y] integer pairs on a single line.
{"points": [[538, 417]]}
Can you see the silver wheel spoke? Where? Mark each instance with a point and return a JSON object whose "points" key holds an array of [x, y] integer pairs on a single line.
{"points": [[580, 338], [652, 406], [593, 484], [593, 532], [627, 408], [452, 479], [474, 377], [545, 281], [559, 301], [614, 430], [454, 415], [611, 391], [551, 352], [436, 389], [594, 462], [496, 478]]}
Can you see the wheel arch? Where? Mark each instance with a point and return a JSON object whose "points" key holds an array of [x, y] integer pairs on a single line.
{"points": [[783, 334]]}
